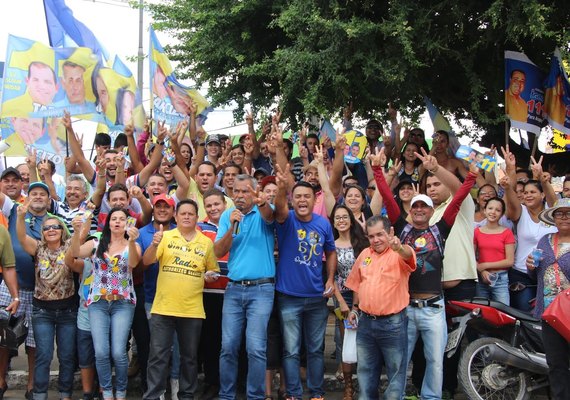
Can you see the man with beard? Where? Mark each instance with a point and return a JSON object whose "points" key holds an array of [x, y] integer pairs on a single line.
{"points": [[246, 231], [162, 213], [74, 204], [12, 184], [39, 200]]}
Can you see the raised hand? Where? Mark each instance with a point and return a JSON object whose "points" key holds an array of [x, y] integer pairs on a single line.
{"points": [[23, 208], [536, 168], [429, 162], [32, 158], [136, 192], [259, 197], [340, 143], [162, 131], [249, 118], [157, 237], [66, 120], [393, 240], [130, 128], [509, 157], [133, 233], [77, 223], [318, 155], [395, 168], [416, 189], [505, 182], [281, 177], [44, 168], [378, 158]]}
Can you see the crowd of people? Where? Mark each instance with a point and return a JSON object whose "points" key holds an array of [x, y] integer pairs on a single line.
{"points": [[225, 258]]}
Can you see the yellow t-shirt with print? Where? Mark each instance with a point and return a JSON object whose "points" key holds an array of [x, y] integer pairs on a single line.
{"points": [[181, 269]]}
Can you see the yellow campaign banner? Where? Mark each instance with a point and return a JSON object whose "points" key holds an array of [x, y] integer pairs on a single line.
{"points": [[170, 99]]}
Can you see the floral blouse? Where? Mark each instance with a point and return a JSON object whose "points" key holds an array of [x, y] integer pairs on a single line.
{"points": [[111, 275]]}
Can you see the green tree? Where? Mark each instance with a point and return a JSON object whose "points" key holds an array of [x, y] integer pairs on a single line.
{"points": [[316, 56]]}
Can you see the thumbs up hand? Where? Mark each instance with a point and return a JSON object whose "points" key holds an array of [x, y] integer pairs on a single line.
{"points": [[158, 236]]}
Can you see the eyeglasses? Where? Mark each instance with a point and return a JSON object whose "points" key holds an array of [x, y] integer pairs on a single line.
{"points": [[46, 228], [341, 218], [561, 214]]}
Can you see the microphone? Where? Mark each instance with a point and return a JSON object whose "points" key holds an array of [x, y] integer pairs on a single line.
{"points": [[235, 228]]}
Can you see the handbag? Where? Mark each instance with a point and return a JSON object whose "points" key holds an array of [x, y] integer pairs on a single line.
{"points": [[557, 314], [349, 346]]}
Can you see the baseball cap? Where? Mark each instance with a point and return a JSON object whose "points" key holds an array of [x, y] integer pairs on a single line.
{"points": [[40, 185], [424, 198], [267, 180], [213, 139], [163, 197], [11, 170]]}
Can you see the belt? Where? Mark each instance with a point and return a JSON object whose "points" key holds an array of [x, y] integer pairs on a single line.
{"points": [[112, 297], [254, 282], [372, 316], [421, 303]]}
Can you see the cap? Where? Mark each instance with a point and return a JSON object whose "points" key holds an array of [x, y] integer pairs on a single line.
{"points": [[424, 198], [374, 123], [213, 139], [40, 185], [261, 171], [163, 197], [547, 215], [267, 180], [11, 170], [313, 164]]}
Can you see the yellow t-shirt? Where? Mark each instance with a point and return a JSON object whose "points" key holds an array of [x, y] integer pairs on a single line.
{"points": [[181, 270], [516, 108]]}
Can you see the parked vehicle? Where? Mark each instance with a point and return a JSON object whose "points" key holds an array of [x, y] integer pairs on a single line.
{"points": [[507, 361]]}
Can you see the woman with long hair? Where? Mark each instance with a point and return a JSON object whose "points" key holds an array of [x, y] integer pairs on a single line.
{"points": [[111, 300], [54, 314], [529, 227], [350, 240], [495, 251]]}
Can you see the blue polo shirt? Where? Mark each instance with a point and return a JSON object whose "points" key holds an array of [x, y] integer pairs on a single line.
{"points": [[144, 240], [251, 253], [302, 247]]}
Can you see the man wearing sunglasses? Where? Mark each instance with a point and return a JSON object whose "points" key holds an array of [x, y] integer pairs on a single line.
{"points": [[39, 200]]}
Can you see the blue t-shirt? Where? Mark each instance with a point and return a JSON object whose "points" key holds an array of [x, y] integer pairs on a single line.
{"points": [[146, 233], [25, 265], [302, 246], [251, 253]]}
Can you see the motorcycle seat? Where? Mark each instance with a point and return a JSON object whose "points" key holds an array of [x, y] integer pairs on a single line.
{"points": [[518, 314]]}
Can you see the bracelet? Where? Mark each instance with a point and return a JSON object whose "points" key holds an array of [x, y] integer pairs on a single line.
{"points": [[433, 171], [101, 175], [16, 299]]}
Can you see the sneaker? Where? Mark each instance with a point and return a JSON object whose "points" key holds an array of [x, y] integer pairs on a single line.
{"points": [[174, 386]]}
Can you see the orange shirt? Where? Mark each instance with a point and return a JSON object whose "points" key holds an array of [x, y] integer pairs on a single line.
{"points": [[381, 281]]}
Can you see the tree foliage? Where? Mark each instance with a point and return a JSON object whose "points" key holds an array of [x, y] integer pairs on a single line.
{"points": [[316, 56]]}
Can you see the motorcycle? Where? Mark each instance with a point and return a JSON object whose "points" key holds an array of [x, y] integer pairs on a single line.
{"points": [[508, 362]]}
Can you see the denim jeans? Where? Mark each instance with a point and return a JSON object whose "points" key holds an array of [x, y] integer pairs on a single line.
{"points": [[520, 299], [246, 307], [382, 341], [49, 325], [110, 323], [499, 291], [430, 323], [163, 328], [303, 318]]}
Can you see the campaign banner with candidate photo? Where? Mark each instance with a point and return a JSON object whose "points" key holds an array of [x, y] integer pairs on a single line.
{"points": [[170, 99], [42, 82], [524, 93], [356, 143], [557, 95]]}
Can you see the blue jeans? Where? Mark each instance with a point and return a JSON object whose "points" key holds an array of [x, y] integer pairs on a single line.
{"points": [[49, 325], [382, 341], [246, 307], [303, 318], [499, 291], [110, 325], [520, 299], [430, 323]]}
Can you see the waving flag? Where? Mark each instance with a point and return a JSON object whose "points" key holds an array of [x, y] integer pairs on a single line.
{"points": [[557, 95], [170, 99], [440, 123], [65, 30]]}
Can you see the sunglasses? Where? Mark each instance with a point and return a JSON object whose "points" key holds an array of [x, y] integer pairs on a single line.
{"points": [[46, 228]]}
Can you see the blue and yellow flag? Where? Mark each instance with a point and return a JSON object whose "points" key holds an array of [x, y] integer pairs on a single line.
{"points": [[440, 123], [557, 95], [524, 92], [169, 97]]}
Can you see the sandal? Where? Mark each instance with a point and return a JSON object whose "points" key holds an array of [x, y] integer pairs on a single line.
{"points": [[339, 376]]}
